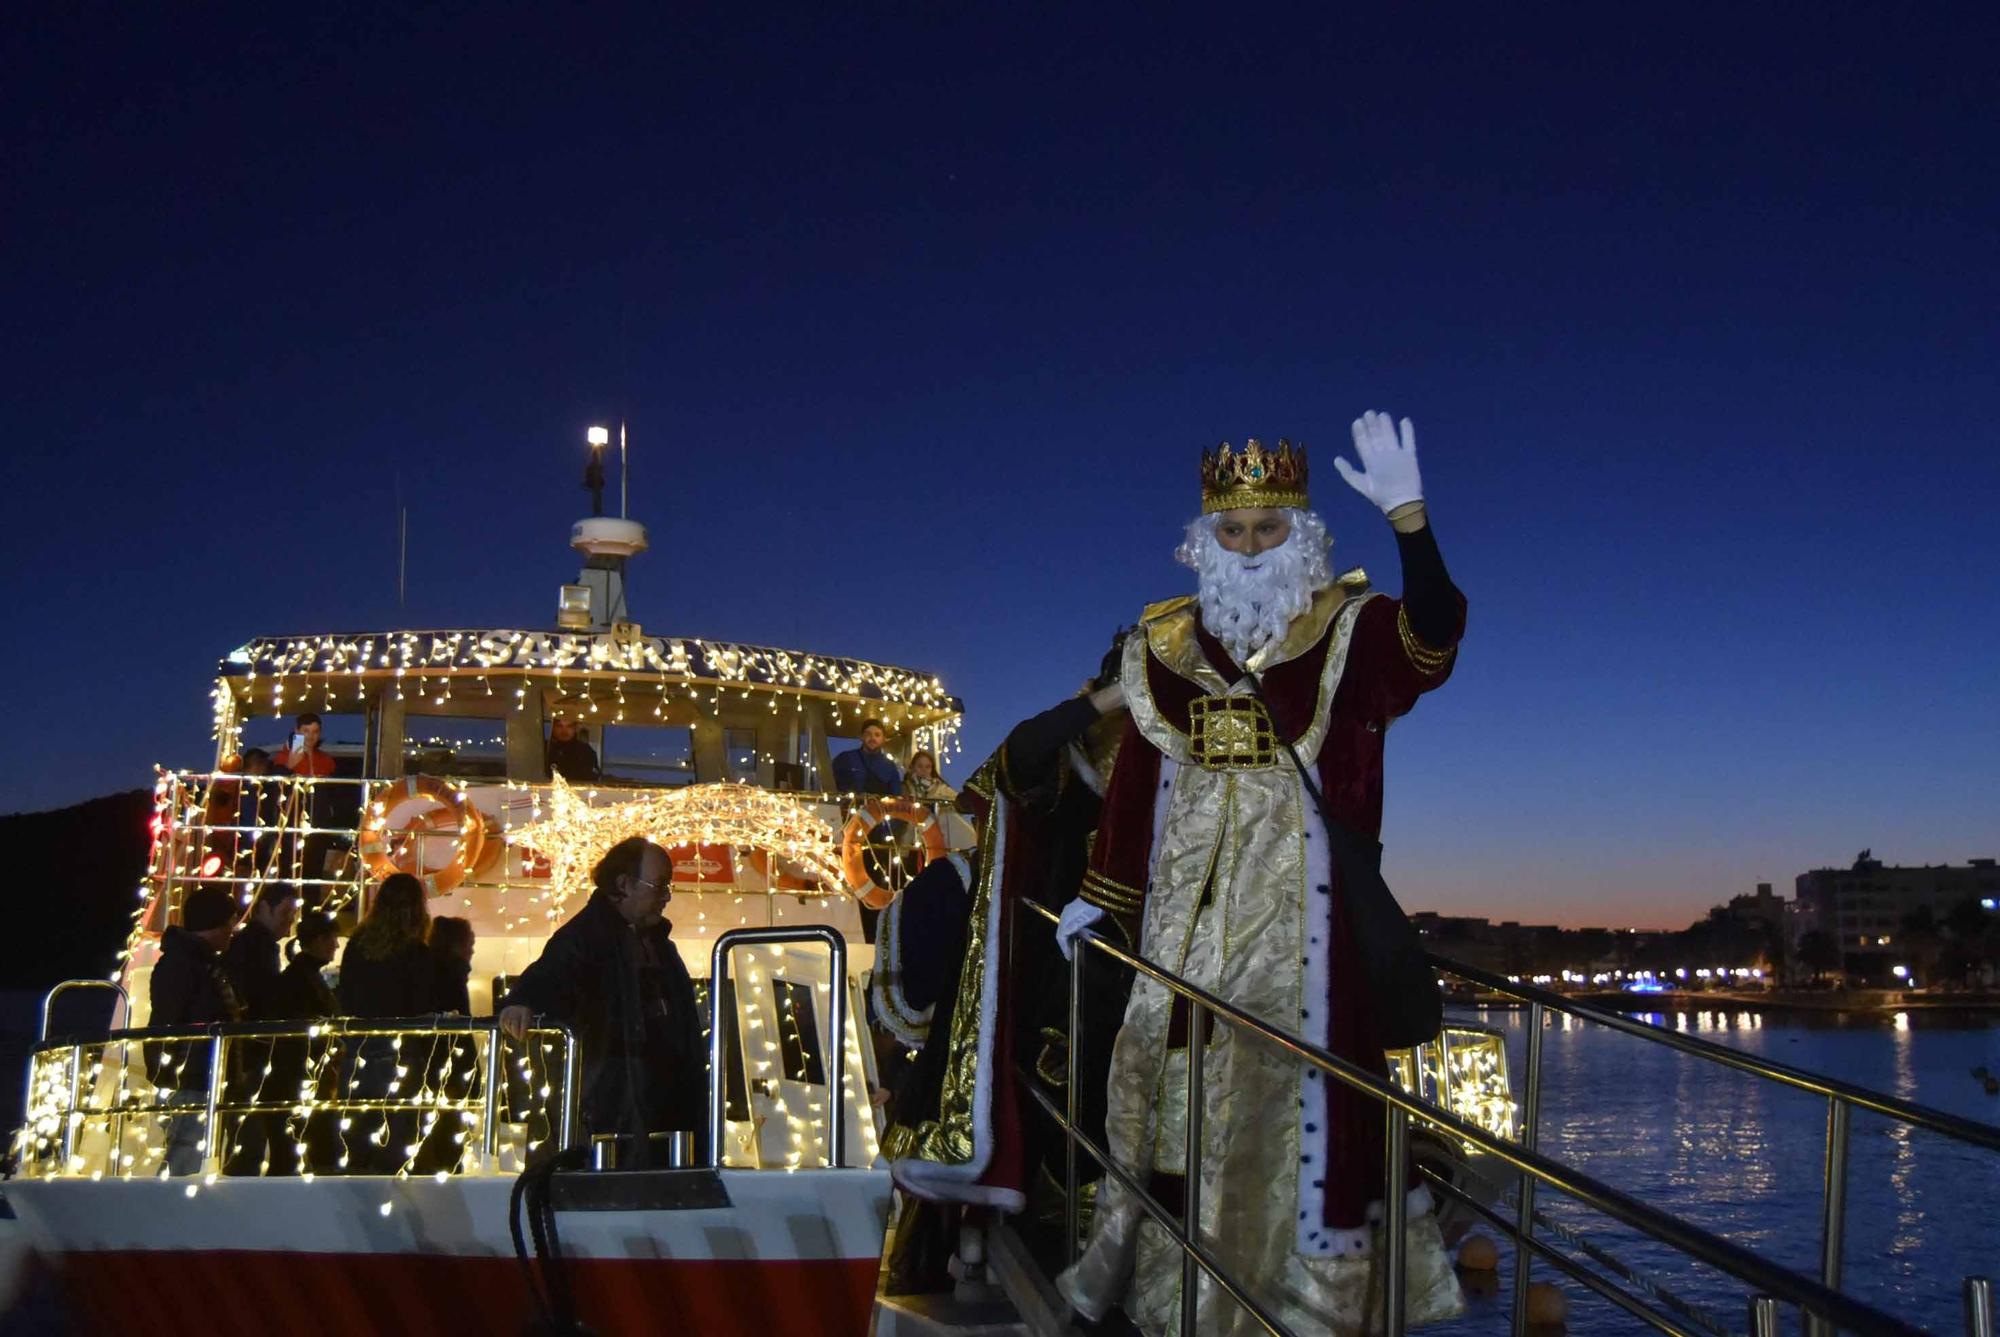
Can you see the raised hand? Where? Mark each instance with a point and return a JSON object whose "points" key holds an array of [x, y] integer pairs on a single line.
{"points": [[1388, 474]]}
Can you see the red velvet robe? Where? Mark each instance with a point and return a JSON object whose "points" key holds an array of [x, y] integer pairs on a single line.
{"points": [[1379, 682]]}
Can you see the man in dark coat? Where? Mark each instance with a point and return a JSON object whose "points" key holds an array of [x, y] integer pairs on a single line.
{"points": [[613, 974], [189, 990], [252, 958]]}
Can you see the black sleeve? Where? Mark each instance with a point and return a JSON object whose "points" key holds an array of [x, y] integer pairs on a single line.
{"points": [[1433, 604], [552, 984], [172, 994], [1035, 745]]}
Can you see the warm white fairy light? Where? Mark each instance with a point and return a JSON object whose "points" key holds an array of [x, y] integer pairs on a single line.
{"points": [[572, 835], [119, 1117], [1464, 1072]]}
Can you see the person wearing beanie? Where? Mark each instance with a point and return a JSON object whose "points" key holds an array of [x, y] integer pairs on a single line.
{"points": [[190, 989]]}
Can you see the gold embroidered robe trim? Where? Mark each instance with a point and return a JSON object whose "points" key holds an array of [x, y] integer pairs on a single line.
{"points": [[952, 1138], [1170, 637], [1227, 910]]}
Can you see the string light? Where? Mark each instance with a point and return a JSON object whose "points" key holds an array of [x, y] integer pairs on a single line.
{"points": [[572, 835]]}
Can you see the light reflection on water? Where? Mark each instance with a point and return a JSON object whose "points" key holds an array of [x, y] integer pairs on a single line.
{"points": [[1744, 1157]]}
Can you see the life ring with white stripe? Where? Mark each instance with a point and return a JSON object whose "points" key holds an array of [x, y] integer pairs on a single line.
{"points": [[404, 817], [884, 844]]}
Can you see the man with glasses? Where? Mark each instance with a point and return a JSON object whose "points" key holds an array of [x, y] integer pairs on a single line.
{"points": [[613, 974]]}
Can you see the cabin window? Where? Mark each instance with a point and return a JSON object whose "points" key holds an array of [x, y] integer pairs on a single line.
{"points": [[342, 736], [454, 746], [649, 755], [739, 747], [798, 1033]]}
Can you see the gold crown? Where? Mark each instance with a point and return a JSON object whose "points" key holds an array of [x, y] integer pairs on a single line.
{"points": [[1253, 477]]}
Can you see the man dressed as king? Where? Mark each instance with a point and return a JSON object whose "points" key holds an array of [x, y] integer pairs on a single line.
{"points": [[1213, 860]]}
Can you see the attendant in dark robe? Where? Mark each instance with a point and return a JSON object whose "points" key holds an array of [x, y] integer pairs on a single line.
{"points": [[938, 963]]}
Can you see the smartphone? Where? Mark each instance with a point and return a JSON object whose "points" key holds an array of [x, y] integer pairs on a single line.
{"points": [[298, 743]]}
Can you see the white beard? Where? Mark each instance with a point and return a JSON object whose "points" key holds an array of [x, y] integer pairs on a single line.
{"points": [[1247, 608]]}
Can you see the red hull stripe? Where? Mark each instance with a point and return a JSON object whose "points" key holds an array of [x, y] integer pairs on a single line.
{"points": [[225, 1293]]}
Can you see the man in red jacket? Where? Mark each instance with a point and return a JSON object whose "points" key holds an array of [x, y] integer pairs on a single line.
{"points": [[302, 756], [1212, 859]]}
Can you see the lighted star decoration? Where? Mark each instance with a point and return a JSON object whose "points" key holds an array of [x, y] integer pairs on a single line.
{"points": [[573, 835]]}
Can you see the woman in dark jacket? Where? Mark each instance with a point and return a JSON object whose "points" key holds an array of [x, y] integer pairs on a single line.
{"points": [[386, 969], [386, 972]]}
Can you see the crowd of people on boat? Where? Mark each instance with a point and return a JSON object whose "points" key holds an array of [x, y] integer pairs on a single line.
{"points": [[611, 973], [220, 964]]}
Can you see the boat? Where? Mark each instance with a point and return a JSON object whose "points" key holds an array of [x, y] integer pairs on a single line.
{"points": [[719, 751]]}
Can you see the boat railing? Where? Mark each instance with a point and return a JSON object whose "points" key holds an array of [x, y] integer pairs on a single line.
{"points": [[1771, 1285], [1842, 1099], [837, 1029], [439, 1095], [121, 1011]]}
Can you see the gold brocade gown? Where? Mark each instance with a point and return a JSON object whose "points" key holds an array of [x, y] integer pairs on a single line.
{"points": [[1240, 834]]}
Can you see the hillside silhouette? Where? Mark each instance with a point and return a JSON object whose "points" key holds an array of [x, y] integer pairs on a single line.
{"points": [[72, 877]]}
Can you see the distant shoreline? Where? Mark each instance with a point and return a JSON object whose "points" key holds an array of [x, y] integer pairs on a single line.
{"points": [[1883, 1001]]}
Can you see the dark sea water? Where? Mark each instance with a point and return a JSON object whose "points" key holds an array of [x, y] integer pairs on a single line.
{"points": [[1743, 1157]]}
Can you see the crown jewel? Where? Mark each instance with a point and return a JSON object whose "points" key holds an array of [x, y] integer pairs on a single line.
{"points": [[1253, 476]]}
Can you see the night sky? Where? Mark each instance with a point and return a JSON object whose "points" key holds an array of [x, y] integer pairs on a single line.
{"points": [[920, 319]]}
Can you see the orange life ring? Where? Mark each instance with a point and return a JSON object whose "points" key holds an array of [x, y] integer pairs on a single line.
{"points": [[390, 849], [926, 842]]}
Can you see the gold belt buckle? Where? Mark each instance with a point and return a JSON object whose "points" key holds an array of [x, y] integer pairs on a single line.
{"points": [[1231, 733]]}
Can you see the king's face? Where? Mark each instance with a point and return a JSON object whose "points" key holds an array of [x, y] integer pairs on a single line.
{"points": [[1251, 530]]}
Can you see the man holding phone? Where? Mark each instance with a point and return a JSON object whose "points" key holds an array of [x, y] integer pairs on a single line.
{"points": [[301, 755]]}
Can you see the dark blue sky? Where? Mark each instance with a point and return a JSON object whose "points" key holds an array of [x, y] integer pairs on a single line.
{"points": [[921, 320]]}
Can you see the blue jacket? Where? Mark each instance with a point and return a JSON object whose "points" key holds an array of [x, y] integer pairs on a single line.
{"points": [[862, 772]]}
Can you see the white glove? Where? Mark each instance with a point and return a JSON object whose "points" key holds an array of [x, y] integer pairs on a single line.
{"points": [[1077, 916], [1388, 473]]}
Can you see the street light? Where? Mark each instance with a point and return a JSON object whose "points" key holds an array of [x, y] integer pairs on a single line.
{"points": [[1900, 972], [598, 436]]}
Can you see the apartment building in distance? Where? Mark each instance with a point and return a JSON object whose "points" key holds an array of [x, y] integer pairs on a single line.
{"points": [[1863, 907]]}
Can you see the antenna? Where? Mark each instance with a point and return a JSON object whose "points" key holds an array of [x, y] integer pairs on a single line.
{"points": [[402, 542], [624, 468]]}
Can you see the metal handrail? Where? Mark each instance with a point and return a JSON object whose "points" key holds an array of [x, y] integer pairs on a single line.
{"points": [[1842, 1099], [718, 977], [423, 1026], [1692, 1240], [49, 1001], [1920, 1116]]}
